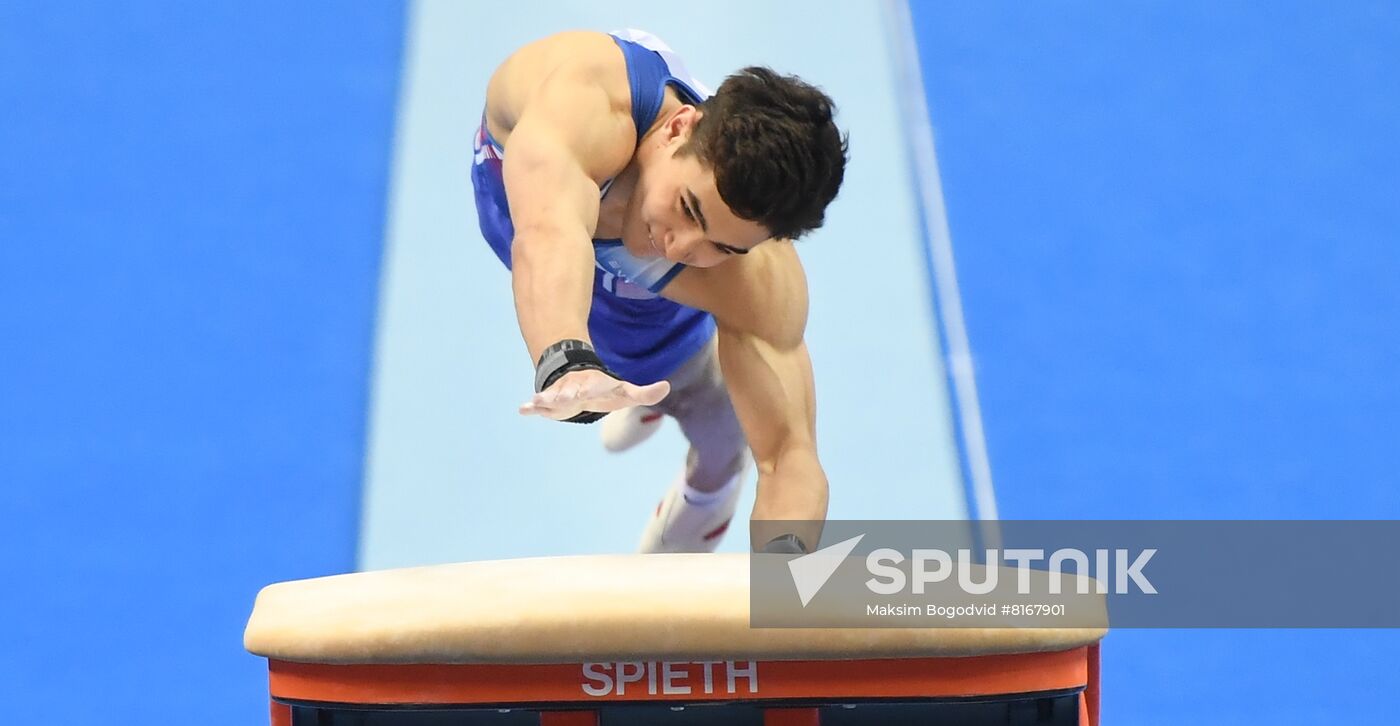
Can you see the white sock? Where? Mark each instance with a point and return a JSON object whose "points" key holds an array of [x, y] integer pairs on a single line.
{"points": [[697, 498]]}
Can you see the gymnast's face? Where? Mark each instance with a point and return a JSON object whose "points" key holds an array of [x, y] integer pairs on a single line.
{"points": [[676, 211]]}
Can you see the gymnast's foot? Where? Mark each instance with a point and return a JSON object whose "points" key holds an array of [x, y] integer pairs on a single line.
{"points": [[687, 520], [621, 430]]}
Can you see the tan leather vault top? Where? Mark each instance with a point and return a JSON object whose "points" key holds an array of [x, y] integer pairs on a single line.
{"points": [[576, 609]]}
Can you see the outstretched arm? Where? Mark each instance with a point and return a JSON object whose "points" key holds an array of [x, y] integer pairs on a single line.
{"points": [[554, 205], [569, 136], [773, 394], [760, 304]]}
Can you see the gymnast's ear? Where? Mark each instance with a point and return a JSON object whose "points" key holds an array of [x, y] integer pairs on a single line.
{"points": [[679, 125]]}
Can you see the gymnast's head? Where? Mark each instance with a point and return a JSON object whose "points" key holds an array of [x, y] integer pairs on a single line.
{"points": [[761, 158]]}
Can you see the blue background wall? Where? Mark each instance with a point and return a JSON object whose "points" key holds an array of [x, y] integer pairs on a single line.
{"points": [[1175, 227], [191, 209]]}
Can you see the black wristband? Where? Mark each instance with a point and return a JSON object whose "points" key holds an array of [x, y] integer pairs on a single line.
{"points": [[564, 357], [786, 544]]}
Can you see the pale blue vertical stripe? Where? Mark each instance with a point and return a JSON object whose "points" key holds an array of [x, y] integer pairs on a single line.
{"points": [[455, 474], [942, 274]]}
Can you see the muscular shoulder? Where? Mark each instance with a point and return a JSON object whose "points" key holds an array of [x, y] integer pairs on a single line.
{"points": [[763, 293], [575, 81]]}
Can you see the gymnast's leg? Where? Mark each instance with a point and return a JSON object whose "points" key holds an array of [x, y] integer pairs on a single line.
{"points": [[696, 510]]}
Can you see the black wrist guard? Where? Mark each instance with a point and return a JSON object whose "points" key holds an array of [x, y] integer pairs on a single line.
{"points": [[564, 357], [787, 544]]}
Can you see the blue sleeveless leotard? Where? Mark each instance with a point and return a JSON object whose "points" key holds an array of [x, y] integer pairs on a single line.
{"points": [[640, 335]]}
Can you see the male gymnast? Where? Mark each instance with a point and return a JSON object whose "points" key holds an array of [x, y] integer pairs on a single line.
{"points": [[648, 227]]}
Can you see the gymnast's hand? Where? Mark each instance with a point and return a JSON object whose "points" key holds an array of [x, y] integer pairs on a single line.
{"points": [[591, 390]]}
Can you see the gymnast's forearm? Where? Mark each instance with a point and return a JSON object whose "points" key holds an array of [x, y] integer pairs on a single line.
{"points": [[792, 494], [554, 207], [552, 277]]}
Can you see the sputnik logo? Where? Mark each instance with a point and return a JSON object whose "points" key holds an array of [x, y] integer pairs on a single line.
{"points": [[810, 572]]}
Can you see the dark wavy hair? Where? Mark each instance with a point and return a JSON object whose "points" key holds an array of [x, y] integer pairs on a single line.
{"points": [[777, 155]]}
